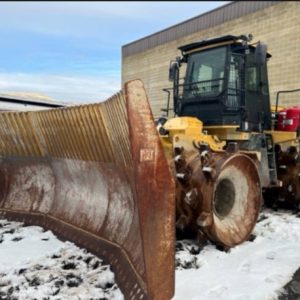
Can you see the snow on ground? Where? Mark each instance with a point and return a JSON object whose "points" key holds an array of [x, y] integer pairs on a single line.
{"points": [[254, 270], [34, 264]]}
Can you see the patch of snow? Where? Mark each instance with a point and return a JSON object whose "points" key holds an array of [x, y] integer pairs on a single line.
{"points": [[177, 157], [254, 270], [21, 244], [34, 264], [207, 169], [204, 153], [180, 175]]}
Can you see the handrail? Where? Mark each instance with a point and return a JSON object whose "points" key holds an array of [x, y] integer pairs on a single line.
{"points": [[167, 90], [282, 92]]}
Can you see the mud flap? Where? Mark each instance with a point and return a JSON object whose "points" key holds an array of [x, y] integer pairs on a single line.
{"points": [[96, 175]]}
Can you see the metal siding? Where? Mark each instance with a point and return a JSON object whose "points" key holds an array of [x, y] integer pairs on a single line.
{"points": [[215, 17]]}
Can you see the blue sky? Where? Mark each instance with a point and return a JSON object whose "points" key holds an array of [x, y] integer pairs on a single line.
{"points": [[71, 51]]}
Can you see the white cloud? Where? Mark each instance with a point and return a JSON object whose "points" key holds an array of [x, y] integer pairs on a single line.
{"points": [[70, 89], [78, 38]]}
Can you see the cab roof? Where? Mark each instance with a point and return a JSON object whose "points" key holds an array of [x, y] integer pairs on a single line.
{"points": [[208, 42], [226, 39]]}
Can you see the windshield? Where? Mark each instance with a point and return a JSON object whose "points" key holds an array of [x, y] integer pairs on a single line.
{"points": [[205, 72]]}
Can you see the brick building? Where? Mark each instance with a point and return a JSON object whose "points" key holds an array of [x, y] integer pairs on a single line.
{"points": [[276, 23]]}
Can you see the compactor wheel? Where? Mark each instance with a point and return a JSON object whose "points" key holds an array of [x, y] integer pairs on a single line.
{"points": [[287, 196], [219, 194], [236, 201]]}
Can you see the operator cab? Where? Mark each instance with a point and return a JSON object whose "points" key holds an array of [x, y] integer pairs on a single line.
{"points": [[225, 83]]}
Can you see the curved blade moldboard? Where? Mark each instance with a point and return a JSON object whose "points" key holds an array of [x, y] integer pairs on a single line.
{"points": [[88, 174], [155, 190]]}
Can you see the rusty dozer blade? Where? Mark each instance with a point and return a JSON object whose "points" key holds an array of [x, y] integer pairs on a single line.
{"points": [[96, 175]]}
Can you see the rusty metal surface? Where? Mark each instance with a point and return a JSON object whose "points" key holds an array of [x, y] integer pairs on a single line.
{"points": [[156, 194], [219, 196], [96, 132], [288, 169], [288, 166], [96, 175]]}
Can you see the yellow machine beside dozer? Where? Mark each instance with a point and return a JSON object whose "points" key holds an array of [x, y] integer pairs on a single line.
{"points": [[117, 182]]}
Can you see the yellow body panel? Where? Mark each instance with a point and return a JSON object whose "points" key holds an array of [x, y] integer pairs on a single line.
{"points": [[185, 132], [279, 108], [227, 132], [282, 136]]}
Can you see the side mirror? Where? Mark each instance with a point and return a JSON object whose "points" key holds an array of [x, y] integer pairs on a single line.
{"points": [[261, 54], [173, 70]]}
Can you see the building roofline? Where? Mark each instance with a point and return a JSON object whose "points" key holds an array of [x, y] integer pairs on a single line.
{"points": [[178, 24], [29, 101], [216, 16]]}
